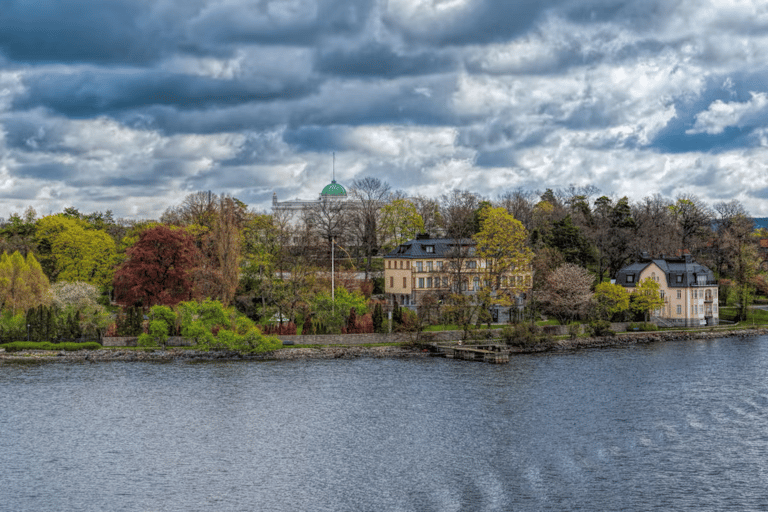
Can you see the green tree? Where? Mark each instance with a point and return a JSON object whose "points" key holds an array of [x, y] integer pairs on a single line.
{"points": [[333, 312], [646, 297], [610, 300], [23, 284], [400, 222], [72, 250], [501, 242]]}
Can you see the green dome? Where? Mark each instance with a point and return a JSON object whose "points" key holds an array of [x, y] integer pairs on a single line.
{"points": [[333, 189]]}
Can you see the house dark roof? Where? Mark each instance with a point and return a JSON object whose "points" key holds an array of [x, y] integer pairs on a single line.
{"points": [[680, 272], [432, 248]]}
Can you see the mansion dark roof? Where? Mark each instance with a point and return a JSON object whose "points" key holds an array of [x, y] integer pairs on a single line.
{"points": [[680, 272], [420, 248]]}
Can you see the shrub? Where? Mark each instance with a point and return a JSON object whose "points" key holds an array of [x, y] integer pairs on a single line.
{"points": [[146, 340], [46, 345], [643, 326], [524, 335], [601, 328]]}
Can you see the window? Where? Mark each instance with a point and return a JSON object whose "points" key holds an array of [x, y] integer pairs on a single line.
{"points": [[429, 282], [405, 282], [401, 264], [439, 266], [679, 295], [445, 282], [421, 282], [408, 265], [429, 249], [419, 266], [679, 278], [476, 283], [630, 278], [429, 266], [661, 293], [679, 309], [391, 282], [471, 264]]}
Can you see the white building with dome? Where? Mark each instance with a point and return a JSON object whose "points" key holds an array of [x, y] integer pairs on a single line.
{"points": [[331, 192]]}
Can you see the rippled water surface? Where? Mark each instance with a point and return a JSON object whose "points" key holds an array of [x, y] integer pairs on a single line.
{"points": [[675, 426]]}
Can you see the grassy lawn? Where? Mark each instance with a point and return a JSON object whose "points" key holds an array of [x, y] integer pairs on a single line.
{"points": [[754, 316]]}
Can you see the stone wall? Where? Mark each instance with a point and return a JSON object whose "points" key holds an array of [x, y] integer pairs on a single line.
{"points": [[132, 341]]}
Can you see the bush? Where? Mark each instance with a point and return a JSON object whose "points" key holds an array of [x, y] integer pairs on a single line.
{"points": [[146, 340], [601, 328], [643, 326], [46, 345], [524, 335]]}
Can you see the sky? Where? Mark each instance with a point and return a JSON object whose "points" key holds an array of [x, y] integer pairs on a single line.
{"points": [[130, 105]]}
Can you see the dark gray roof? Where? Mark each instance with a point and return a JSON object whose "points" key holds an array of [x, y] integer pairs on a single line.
{"points": [[681, 272], [441, 248]]}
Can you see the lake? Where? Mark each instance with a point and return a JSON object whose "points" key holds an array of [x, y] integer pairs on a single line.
{"points": [[678, 425]]}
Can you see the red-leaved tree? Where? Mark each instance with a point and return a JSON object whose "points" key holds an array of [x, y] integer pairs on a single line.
{"points": [[158, 269]]}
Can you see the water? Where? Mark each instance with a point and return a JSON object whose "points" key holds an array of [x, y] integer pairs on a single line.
{"points": [[669, 426]]}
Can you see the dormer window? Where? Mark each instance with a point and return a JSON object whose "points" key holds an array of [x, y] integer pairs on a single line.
{"points": [[679, 278], [630, 278], [429, 249]]}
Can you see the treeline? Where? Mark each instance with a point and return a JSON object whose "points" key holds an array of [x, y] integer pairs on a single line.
{"points": [[273, 267]]}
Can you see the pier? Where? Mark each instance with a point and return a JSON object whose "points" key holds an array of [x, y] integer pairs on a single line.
{"points": [[485, 353]]}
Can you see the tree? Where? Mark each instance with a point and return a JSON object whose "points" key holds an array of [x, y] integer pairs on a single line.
{"points": [[370, 194], [646, 297], [334, 312], [23, 285], [568, 239], [655, 231], [694, 220], [158, 269], [501, 241], [458, 211], [400, 222], [197, 208], [610, 300], [228, 256], [72, 250], [566, 292]]}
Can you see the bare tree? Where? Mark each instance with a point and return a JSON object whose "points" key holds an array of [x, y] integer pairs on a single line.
{"points": [[197, 208], [656, 233], [519, 204], [694, 221], [370, 194], [328, 220]]}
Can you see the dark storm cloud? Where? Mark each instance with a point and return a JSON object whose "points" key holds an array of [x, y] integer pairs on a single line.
{"points": [[316, 138], [92, 93], [33, 132], [47, 171], [259, 22], [378, 60], [77, 31], [483, 21]]}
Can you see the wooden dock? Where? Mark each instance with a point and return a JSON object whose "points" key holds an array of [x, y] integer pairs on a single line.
{"points": [[484, 354]]}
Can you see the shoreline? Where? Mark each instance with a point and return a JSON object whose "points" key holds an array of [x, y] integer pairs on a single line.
{"points": [[353, 352]]}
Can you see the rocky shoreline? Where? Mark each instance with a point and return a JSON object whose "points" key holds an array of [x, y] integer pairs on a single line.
{"points": [[350, 352]]}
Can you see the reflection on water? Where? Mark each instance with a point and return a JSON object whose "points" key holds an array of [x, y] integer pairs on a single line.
{"points": [[669, 426]]}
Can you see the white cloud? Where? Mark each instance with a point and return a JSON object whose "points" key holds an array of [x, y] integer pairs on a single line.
{"points": [[721, 115]]}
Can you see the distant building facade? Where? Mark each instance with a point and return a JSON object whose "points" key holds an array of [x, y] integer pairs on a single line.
{"points": [[441, 266], [688, 288]]}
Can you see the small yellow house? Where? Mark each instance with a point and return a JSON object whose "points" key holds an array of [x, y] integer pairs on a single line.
{"points": [[688, 288]]}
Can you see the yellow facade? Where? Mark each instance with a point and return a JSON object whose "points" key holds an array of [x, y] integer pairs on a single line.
{"points": [[684, 305]]}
